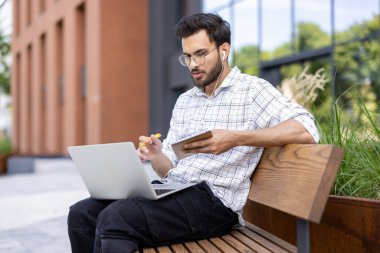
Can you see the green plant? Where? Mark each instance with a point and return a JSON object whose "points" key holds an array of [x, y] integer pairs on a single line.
{"points": [[304, 87], [359, 174], [353, 126], [5, 50], [5, 145]]}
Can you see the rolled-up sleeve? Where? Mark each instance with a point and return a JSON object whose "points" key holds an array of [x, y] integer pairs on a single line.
{"points": [[274, 108]]}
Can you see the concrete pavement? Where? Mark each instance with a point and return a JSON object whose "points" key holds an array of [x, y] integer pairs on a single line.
{"points": [[34, 207]]}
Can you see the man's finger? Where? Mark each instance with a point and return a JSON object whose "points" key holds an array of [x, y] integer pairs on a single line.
{"points": [[196, 144], [141, 156]]}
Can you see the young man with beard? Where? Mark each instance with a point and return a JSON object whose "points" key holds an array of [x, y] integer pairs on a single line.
{"points": [[245, 113]]}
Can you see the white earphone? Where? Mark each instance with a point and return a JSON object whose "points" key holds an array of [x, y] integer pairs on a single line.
{"points": [[223, 55]]}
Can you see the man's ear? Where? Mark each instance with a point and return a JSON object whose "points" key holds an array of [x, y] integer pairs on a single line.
{"points": [[225, 50]]}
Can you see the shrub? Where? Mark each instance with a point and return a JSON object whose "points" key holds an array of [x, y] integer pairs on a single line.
{"points": [[356, 130]]}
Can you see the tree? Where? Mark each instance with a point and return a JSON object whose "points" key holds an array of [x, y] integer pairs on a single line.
{"points": [[311, 36], [246, 58], [357, 62], [5, 49]]}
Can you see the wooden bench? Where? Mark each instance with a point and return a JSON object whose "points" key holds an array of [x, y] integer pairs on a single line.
{"points": [[295, 179]]}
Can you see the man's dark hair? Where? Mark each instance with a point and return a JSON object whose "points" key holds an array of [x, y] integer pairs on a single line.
{"points": [[218, 30]]}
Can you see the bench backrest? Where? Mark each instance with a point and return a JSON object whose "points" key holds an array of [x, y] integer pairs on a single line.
{"points": [[296, 178]]}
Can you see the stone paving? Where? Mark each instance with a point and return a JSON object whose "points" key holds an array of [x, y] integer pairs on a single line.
{"points": [[34, 206]]}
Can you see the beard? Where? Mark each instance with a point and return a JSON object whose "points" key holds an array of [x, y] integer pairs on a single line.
{"points": [[210, 78]]}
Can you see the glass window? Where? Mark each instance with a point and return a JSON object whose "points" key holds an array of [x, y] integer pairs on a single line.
{"points": [[352, 17], [245, 25], [242, 16], [357, 69], [313, 24], [214, 5], [357, 59], [276, 29], [245, 37], [223, 9]]}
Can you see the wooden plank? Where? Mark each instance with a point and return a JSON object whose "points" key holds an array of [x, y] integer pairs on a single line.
{"points": [[237, 244], [179, 248], [263, 241], [348, 225], [296, 178], [222, 245], [193, 247], [281, 243], [164, 249], [249, 242], [149, 250], [325, 185], [208, 246], [272, 220]]}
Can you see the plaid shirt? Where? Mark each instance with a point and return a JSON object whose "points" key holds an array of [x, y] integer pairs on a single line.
{"points": [[242, 102]]}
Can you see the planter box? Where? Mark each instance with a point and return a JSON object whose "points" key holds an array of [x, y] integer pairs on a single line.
{"points": [[3, 162], [348, 225]]}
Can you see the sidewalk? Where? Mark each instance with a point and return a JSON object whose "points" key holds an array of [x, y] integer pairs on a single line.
{"points": [[34, 207]]}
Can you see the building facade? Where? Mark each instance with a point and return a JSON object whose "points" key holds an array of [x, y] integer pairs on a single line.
{"points": [[96, 71], [82, 70], [80, 73]]}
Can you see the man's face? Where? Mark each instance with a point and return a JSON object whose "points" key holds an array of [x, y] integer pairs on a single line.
{"points": [[199, 44]]}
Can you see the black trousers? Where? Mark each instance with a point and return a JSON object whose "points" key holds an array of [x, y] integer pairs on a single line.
{"points": [[125, 225]]}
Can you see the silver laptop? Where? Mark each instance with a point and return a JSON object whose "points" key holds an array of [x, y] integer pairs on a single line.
{"points": [[115, 171]]}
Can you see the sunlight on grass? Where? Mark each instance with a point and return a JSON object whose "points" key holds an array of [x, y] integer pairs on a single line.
{"points": [[352, 126], [359, 175]]}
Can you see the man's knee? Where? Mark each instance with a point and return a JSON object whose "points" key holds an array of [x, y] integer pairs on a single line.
{"points": [[81, 215], [123, 215], [76, 216]]}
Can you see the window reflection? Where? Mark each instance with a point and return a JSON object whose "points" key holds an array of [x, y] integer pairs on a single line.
{"points": [[294, 33], [350, 15], [276, 28], [313, 24]]}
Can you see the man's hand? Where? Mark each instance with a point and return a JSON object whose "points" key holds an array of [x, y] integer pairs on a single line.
{"points": [[221, 141], [149, 147]]}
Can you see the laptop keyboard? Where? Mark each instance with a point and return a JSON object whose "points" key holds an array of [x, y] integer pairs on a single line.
{"points": [[162, 191]]}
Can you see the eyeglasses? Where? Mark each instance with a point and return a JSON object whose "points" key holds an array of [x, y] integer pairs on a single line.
{"points": [[198, 58]]}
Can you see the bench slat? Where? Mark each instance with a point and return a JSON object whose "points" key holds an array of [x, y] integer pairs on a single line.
{"points": [[179, 248], [274, 239], [270, 245], [248, 241], [164, 249], [208, 246], [296, 178], [222, 245], [194, 247], [235, 243], [149, 250]]}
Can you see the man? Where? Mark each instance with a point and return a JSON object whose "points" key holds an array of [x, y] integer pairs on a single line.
{"points": [[245, 114]]}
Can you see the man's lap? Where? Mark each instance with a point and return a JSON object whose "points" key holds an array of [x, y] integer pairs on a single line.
{"points": [[194, 213]]}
